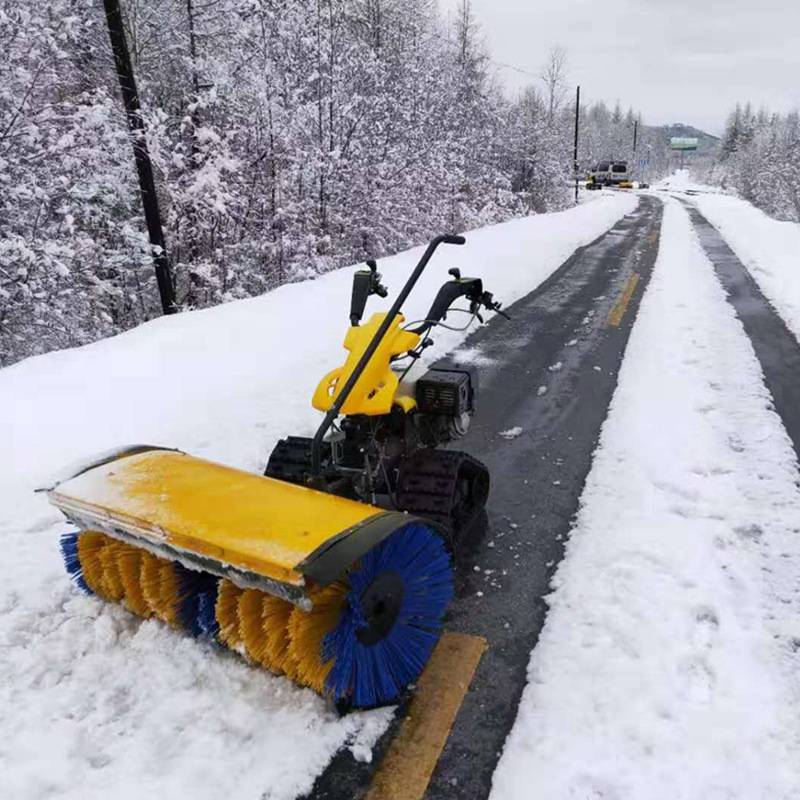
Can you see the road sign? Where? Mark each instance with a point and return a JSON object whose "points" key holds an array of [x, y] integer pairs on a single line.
{"points": [[683, 143]]}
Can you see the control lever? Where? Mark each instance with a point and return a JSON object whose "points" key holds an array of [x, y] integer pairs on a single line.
{"points": [[486, 299], [365, 283], [494, 305], [377, 287]]}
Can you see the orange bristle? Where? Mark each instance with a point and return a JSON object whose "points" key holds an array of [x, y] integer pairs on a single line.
{"points": [[227, 614], [308, 629], [275, 616], [170, 593], [111, 581], [251, 625], [129, 564], [90, 543], [150, 581]]}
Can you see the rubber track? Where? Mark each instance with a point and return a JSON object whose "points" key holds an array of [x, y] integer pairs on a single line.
{"points": [[428, 481]]}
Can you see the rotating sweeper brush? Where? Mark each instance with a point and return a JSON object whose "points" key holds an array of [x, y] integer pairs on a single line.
{"points": [[334, 567]]}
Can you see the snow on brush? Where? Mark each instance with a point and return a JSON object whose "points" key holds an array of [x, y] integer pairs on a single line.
{"points": [[669, 664], [95, 703]]}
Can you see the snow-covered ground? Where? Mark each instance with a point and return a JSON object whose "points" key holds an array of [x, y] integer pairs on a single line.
{"points": [[95, 703], [669, 664], [682, 181]]}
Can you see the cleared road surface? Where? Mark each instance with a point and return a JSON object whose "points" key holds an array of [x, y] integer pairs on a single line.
{"points": [[546, 379]]}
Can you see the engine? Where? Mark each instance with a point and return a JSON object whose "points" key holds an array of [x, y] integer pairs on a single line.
{"points": [[445, 402], [374, 457]]}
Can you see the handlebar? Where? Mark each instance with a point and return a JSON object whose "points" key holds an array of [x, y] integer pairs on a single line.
{"points": [[471, 289], [336, 407]]}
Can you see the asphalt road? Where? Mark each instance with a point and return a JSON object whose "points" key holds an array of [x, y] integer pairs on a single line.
{"points": [[550, 371]]}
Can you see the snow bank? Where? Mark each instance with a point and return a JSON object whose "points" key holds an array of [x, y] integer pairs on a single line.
{"points": [[668, 665], [94, 703], [682, 181], [770, 249]]}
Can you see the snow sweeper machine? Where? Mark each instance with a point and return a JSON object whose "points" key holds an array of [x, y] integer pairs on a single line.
{"points": [[334, 567]]}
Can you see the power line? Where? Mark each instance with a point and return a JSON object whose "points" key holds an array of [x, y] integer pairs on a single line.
{"points": [[488, 58], [515, 68]]}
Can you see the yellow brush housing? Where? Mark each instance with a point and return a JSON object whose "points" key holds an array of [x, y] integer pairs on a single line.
{"points": [[376, 391], [258, 532]]}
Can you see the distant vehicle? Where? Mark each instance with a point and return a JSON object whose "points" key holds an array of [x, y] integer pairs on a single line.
{"points": [[608, 173]]}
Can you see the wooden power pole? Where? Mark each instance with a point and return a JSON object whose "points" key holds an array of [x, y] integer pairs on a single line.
{"points": [[147, 186], [575, 152]]}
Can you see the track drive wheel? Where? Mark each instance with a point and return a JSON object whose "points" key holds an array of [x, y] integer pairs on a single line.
{"points": [[446, 486]]}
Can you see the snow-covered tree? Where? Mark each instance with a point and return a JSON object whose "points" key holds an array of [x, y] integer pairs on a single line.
{"points": [[760, 158], [73, 261], [288, 137]]}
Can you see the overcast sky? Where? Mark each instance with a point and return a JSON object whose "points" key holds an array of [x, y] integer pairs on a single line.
{"points": [[675, 60]]}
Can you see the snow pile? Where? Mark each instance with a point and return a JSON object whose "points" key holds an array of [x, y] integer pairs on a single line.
{"points": [[94, 703], [114, 707], [682, 181], [770, 249], [668, 665]]}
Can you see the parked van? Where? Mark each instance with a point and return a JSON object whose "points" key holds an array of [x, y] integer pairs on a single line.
{"points": [[609, 173]]}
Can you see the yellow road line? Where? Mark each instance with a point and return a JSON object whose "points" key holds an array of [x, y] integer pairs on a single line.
{"points": [[618, 312], [408, 765]]}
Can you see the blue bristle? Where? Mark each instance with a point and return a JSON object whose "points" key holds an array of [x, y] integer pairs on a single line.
{"points": [[198, 592], [69, 552], [369, 675]]}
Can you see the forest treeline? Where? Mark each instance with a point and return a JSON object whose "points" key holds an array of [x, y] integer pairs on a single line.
{"points": [[759, 157], [288, 137]]}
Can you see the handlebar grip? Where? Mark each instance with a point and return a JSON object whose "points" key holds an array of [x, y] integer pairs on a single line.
{"points": [[453, 238]]}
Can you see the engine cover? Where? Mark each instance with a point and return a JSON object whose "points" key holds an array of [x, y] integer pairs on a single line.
{"points": [[445, 392]]}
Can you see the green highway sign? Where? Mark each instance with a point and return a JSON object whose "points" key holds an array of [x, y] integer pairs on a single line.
{"points": [[682, 143]]}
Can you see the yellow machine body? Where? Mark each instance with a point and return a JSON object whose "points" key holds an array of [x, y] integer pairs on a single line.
{"points": [[377, 390], [258, 532]]}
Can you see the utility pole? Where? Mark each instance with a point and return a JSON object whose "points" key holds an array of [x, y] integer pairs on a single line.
{"points": [[147, 186], [575, 151], [635, 133]]}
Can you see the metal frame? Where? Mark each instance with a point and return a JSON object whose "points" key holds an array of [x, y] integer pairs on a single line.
{"points": [[333, 412]]}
